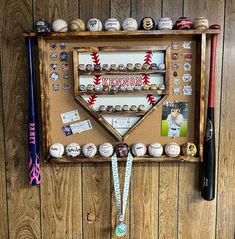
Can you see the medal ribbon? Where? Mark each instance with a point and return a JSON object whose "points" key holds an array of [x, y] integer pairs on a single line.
{"points": [[121, 208]]}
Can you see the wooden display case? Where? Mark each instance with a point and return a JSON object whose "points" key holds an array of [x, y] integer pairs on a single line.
{"points": [[66, 97]]}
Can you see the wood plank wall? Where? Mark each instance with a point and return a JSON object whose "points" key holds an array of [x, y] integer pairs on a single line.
{"points": [[164, 200]]}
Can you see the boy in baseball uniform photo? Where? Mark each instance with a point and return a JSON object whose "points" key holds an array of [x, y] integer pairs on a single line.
{"points": [[174, 120]]}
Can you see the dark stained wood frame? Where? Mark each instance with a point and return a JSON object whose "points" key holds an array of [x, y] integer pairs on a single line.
{"points": [[200, 35]]}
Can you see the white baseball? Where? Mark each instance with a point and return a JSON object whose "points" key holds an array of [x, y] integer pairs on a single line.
{"points": [[112, 24], [129, 24], [73, 149], [172, 149], [60, 25], [94, 25], [89, 150], [56, 150], [155, 149], [106, 150], [138, 149]]}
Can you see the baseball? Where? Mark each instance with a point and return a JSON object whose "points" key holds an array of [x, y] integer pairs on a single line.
{"points": [[189, 149], [73, 149], [77, 25], [94, 25], [129, 24], [138, 149], [122, 150], [59, 25], [89, 150], [112, 24], [155, 149], [56, 150], [172, 149], [106, 150]]}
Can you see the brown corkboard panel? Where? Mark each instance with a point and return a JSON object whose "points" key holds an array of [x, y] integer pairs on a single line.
{"points": [[149, 130]]}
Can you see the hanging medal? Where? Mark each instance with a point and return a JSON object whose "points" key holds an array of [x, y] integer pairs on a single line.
{"points": [[121, 229]]}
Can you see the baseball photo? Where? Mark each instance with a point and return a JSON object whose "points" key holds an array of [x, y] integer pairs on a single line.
{"points": [[175, 119]]}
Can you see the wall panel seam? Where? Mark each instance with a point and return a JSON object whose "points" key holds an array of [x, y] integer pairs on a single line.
{"points": [[4, 141], [220, 111]]}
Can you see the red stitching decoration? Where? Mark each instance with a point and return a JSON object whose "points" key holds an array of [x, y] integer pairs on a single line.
{"points": [[148, 57], [96, 80], [150, 99], [146, 77], [95, 58], [92, 99]]}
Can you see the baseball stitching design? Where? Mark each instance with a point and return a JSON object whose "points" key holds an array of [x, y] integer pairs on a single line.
{"points": [[146, 77], [96, 80]]}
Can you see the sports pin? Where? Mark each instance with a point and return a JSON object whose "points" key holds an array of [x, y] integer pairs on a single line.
{"points": [[187, 90], [175, 45], [187, 77], [187, 66], [175, 56], [53, 56], [176, 91], [53, 67], [176, 82], [53, 45], [64, 56], [63, 45], [187, 56], [54, 76], [175, 66], [66, 86], [55, 87], [187, 45]]}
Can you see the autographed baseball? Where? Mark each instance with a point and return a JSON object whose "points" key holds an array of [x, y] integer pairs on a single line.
{"points": [[56, 150], [155, 149], [129, 24], [94, 25], [112, 24], [189, 149], [77, 25], [122, 150], [89, 150], [60, 25], [73, 149], [106, 150], [172, 149], [138, 149]]}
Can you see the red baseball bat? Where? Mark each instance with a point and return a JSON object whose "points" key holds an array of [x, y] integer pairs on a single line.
{"points": [[209, 163]]}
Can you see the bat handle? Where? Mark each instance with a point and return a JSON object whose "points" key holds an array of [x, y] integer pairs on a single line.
{"points": [[33, 135]]}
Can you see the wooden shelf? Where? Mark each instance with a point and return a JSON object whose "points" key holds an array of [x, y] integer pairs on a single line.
{"points": [[105, 34], [123, 113], [121, 72], [147, 158], [133, 92]]}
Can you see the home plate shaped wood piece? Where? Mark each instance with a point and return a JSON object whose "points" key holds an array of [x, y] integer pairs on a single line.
{"points": [[117, 79]]}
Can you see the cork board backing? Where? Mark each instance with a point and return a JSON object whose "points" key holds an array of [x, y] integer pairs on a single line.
{"points": [[56, 102]]}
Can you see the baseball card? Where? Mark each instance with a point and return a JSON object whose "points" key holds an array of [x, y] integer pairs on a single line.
{"points": [[175, 119]]}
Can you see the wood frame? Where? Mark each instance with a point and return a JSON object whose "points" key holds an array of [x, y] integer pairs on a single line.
{"points": [[199, 35]]}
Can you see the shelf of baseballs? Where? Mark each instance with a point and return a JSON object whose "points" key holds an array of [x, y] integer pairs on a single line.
{"points": [[121, 72], [133, 92], [147, 158], [140, 33]]}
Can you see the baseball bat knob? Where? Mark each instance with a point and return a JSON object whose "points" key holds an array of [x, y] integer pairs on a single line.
{"points": [[214, 26]]}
